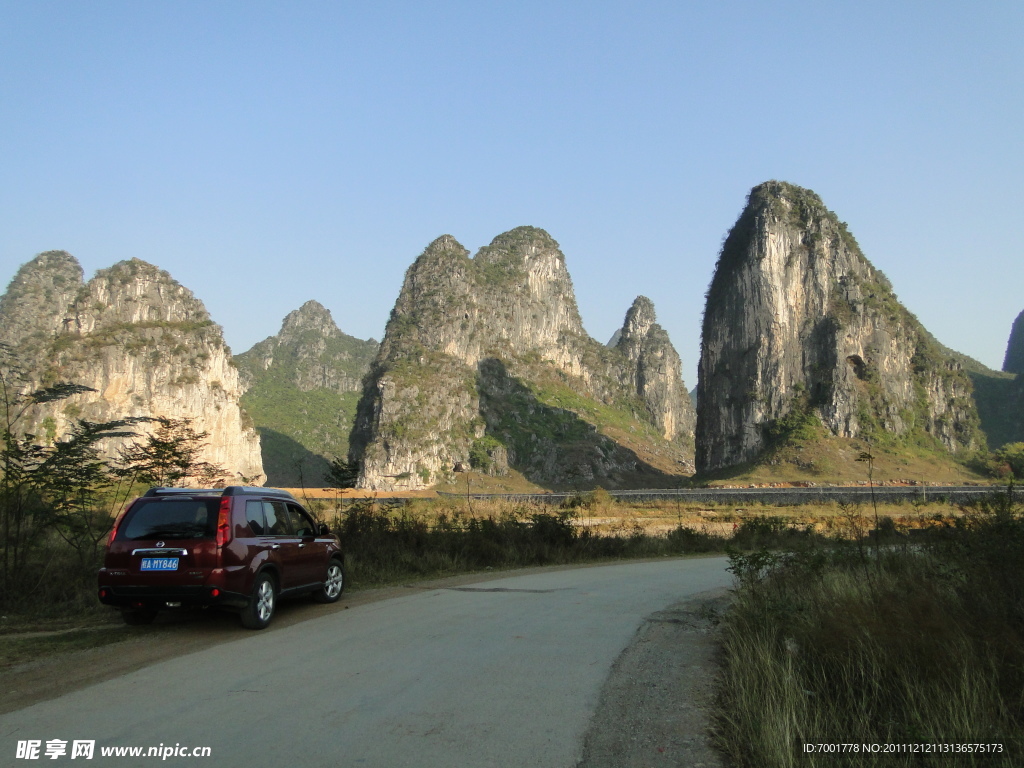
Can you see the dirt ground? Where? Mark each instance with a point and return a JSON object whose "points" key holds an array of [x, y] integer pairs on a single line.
{"points": [[655, 706], [653, 709]]}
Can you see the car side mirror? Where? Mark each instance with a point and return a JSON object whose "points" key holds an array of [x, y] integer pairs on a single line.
{"points": [[323, 529]]}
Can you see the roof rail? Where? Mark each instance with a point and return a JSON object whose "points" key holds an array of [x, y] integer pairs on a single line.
{"points": [[231, 490], [183, 491], [241, 490]]}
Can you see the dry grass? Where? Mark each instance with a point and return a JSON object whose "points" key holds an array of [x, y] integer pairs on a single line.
{"points": [[385, 543], [835, 460], [391, 541], [888, 644]]}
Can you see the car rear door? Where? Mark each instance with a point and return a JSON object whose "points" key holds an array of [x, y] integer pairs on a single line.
{"points": [[312, 551], [280, 534]]}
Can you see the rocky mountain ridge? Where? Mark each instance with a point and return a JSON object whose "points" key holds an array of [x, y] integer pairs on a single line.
{"points": [[485, 365], [655, 372], [798, 323], [146, 345], [301, 390]]}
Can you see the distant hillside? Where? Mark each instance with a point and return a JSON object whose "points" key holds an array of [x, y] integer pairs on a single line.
{"points": [[302, 387], [1000, 399], [1014, 361]]}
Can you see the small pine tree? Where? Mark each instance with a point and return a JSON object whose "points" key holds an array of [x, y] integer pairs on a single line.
{"points": [[342, 473]]}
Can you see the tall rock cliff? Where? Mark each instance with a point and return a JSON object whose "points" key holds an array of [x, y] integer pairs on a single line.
{"points": [[302, 387], [1014, 360], [141, 340], [485, 365], [798, 323], [655, 371]]}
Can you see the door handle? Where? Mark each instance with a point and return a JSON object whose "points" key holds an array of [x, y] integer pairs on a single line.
{"points": [[275, 546]]}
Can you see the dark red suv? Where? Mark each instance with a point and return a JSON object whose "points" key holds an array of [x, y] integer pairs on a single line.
{"points": [[238, 547]]}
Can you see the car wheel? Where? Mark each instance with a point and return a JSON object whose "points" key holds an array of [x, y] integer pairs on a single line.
{"points": [[136, 617], [260, 610], [333, 586]]}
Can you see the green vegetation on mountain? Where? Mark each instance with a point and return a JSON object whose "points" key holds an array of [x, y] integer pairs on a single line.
{"points": [[315, 424], [303, 388], [1000, 399]]}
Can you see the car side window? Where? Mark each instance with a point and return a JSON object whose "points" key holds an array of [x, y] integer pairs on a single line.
{"points": [[303, 523], [254, 516], [278, 522]]}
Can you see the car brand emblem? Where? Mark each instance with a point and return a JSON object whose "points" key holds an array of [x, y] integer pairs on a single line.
{"points": [[159, 543]]}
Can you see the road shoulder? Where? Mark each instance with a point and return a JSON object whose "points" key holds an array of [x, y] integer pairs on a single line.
{"points": [[654, 709]]}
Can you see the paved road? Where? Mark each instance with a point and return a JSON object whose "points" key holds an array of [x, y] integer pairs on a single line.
{"points": [[957, 494], [502, 673]]}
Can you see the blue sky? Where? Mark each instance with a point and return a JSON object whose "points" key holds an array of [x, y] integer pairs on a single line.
{"points": [[270, 153]]}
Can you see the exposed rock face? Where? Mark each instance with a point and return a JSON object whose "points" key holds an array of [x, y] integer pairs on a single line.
{"points": [[143, 341], [37, 298], [655, 372], [797, 320], [485, 364], [302, 387], [516, 294], [1014, 360]]}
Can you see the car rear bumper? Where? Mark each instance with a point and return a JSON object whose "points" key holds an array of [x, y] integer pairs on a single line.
{"points": [[169, 597]]}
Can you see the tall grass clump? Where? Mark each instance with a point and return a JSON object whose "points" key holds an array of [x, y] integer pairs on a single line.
{"points": [[897, 643]]}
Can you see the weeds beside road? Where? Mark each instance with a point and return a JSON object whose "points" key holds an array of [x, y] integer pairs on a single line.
{"points": [[880, 642], [386, 544]]}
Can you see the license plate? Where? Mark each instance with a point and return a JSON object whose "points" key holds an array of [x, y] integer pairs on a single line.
{"points": [[159, 564]]}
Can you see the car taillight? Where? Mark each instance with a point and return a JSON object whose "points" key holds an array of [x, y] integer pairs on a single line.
{"points": [[224, 522], [117, 523]]}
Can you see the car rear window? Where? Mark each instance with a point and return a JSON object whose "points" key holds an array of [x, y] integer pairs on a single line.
{"points": [[172, 519]]}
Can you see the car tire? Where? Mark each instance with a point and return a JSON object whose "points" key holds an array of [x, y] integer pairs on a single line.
{"points": [[260, 610], [334, 584], [137, 617]]}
